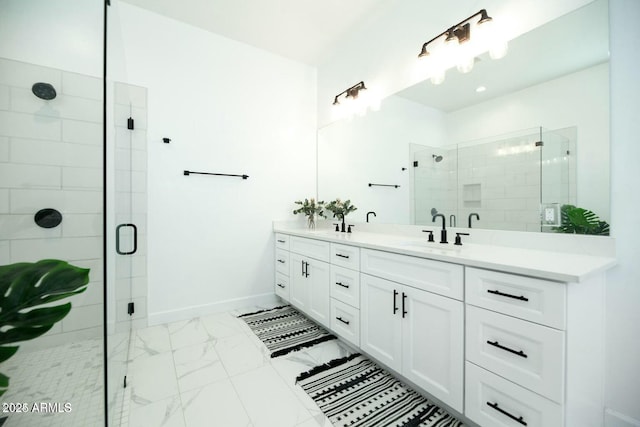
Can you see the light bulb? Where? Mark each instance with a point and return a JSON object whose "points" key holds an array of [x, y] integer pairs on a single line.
{"points": [[465, 63], [498, 49], [437, 76]]}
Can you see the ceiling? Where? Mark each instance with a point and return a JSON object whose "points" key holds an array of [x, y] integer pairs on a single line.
{"points": [[302, 30]]}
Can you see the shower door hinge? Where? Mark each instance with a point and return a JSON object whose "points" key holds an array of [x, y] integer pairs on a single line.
{"points": [[539, 144], [130, 308], [415, 164], [125, 381], [130, 123]]}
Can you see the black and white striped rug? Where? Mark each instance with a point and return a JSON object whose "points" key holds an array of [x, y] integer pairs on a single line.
{"points": [[355, 392], [284, 329]]}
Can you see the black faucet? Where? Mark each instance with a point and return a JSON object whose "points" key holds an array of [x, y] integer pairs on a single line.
{"points": [[452, 220], [370, 212], [443, 232], [473, 214]]}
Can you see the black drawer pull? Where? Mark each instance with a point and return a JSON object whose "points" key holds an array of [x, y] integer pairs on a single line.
{"points": [[502, 294], [343, 285], [346, 322], [404, 297], [281, 285], [282, 241], [502, 411], [281, 261], [510, 350], [395, 307], [343, 256]]}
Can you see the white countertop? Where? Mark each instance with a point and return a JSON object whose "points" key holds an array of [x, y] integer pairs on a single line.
{"points": [[558, 266]]}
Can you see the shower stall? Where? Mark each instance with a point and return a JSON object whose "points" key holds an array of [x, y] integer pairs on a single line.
{"points": [[512, 182], [72, 189]]}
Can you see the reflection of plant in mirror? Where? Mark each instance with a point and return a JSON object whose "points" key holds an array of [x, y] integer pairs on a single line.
{"points": [[340, 209], [24, 288], [581, 221]]}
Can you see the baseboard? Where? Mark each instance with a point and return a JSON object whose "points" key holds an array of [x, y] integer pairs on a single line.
{"points": [[616, 419], [206, 309]]}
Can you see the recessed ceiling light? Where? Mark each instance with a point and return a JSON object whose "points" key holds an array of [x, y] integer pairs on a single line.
{"points": [[480, 89]]}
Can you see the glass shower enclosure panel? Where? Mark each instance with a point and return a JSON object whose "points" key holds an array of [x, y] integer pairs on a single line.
{"points": [[557, 176], [52, 260], [434, 175]]}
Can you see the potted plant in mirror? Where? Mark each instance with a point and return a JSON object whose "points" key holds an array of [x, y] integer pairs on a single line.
{"points": [[340, 209], [576, 220], [311, 208], [26, 291]]}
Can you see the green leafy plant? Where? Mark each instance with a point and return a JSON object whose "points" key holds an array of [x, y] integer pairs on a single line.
{"points": [[577, 220], [340, 209], [24, 290], [310, 207]]}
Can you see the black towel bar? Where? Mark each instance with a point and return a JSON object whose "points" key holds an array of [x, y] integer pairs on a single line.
{"points": [[187, 173]]}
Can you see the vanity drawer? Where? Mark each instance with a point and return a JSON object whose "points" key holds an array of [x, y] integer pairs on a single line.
{"points": [[492, 401], [345, 256], [309, 247], [282, 261], [345, 321], [345, 285], [282, 241], [434, 276], [537, 300], [526, 353], [282, 286]]}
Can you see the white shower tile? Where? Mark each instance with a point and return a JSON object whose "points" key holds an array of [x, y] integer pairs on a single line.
{"points": [[4, 97], [188, 332], [282, 408], [78, 225], [82, 178], [29, 176], [81, 132], [15, 73], [24, 227], [93, 295], [197, 366], [29, 126], [166, 413], [153, 378], [66, 201], [126, 94], [74, 84], [42, 152], [83, 317], [127, 139], [123, 112], [57, 248], [68, 107], [215, 404], [140, 309]]}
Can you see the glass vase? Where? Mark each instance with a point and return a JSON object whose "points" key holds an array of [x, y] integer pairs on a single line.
{"points": [[311, 221]]}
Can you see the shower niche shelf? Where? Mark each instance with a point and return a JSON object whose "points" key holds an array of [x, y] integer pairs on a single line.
{"points": [[472, 195]]}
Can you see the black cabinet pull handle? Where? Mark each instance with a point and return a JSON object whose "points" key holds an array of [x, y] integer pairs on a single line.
{"points": [[340, 284], [281, 285], [510, 350], [502, 294], [281, 261], [404, 297], [395, 307], [306, 269], [346, 322], [502, 411], [342, 256], [281, 241]]}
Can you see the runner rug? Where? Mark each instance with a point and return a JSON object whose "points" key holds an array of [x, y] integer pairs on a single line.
{"points": [[355, 392], [284, 329]]}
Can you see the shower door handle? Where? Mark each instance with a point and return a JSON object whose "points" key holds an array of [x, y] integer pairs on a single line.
{"points": [[135, 239]]}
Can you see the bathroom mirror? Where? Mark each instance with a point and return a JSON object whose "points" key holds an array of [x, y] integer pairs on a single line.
{"points": [[536, 138]]}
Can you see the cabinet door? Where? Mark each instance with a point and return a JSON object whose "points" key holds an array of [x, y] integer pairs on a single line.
{"points": [[432, 341], [318, 278], [381, 320], [298, 283]]}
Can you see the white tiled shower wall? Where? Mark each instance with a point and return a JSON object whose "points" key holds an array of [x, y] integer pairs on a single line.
{"points": [[51, 157]]}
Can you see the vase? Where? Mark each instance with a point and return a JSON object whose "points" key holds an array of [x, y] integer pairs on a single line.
{"points": [[311, 222]]}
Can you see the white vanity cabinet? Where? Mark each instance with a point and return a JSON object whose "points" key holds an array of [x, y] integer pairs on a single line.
{"points": [[282, 286], [413, 331], [345, 292], [309, 278]]}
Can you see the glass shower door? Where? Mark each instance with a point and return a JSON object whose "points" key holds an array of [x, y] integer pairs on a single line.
{"points": [[52, 366]]}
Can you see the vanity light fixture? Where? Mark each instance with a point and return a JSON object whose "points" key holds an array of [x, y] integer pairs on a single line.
{"points": [[460, 44], [353, 100]]}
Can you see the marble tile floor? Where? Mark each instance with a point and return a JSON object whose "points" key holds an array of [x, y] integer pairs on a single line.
{"points": [[213, 371]]}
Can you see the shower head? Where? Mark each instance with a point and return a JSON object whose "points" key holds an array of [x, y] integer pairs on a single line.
{"points": [[44, 91], [436, 159]]}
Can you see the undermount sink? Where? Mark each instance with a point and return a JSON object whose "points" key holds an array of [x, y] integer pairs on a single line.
{"points": [[425, 244]]}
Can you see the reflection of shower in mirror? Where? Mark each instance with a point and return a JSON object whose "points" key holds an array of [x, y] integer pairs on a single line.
{"points": [[436, 159]]}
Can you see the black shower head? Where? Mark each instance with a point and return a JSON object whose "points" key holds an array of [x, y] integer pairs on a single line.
{"points": [[44, 91], [436, 159]]}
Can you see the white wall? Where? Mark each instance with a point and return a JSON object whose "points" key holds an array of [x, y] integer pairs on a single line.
{"points": [[228, 108], [623, 287]]}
